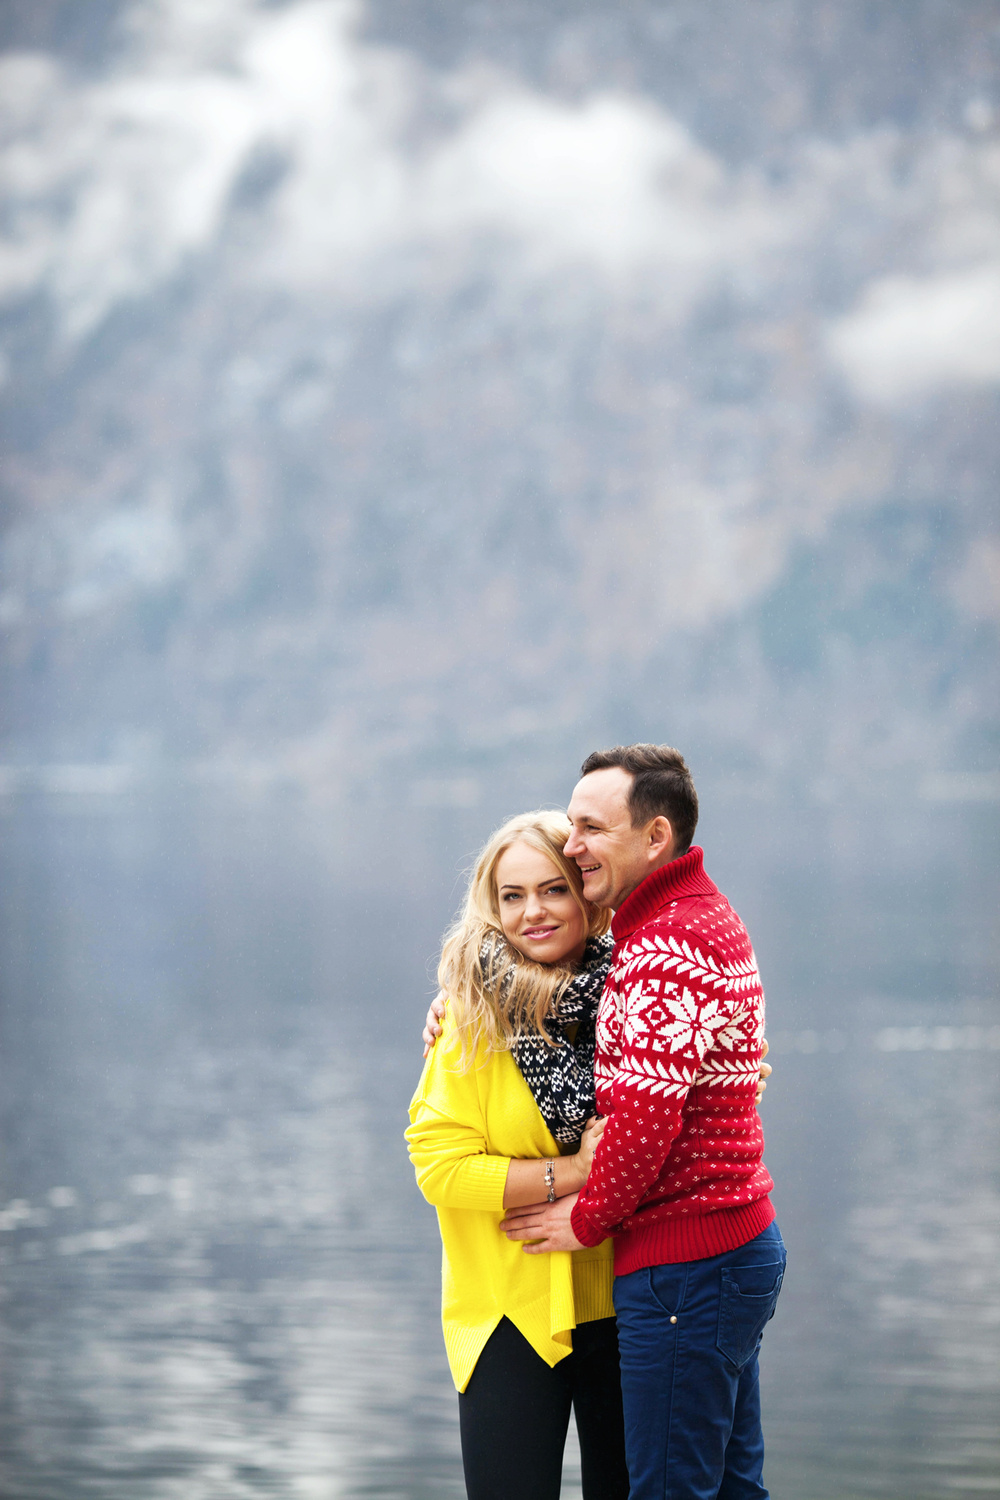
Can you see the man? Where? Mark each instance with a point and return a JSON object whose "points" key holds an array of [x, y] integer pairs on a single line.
{"points": [[678, 1178]]}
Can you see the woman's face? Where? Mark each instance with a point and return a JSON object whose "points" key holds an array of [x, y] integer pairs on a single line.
{"points": [[539, 913]]}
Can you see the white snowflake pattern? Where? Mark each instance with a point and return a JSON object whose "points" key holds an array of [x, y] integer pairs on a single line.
{"points": [[737, 1031], [608, 1028], [647, 1012], [643, 1014], [686, 1024]]}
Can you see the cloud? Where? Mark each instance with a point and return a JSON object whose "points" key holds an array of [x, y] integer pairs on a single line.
{"points": [[613, 183], [910, 336], [111, 184], [379, 173], [115, 183], [680, 446]]}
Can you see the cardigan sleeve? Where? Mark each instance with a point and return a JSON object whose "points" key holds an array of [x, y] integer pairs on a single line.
{"points": [[447, 1135], [452, 1165]]}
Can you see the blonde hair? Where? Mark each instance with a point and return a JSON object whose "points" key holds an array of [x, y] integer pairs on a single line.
{"points": [[495, 994]]}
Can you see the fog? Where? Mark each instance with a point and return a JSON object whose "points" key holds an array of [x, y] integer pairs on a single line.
{"points": [[400, 401]]}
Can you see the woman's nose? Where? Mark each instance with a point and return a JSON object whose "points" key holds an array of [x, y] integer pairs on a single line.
{"points": [[534, 906]]}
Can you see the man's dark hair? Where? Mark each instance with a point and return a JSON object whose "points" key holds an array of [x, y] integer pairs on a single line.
{"points": [[661, 787]]}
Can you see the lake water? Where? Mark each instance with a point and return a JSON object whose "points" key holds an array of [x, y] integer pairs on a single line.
{"points": [[219, 1280]]}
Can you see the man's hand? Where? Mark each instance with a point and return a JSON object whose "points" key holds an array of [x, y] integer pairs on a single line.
{"points": [[765, 1071], [432, 1028], [547, 1225]]}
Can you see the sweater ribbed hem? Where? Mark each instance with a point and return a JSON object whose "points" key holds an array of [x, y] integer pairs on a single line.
{"points": [[693, 1237], [592, 1290]]}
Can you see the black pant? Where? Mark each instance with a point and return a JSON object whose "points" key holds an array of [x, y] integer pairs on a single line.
{"points": [[514, 1415]]}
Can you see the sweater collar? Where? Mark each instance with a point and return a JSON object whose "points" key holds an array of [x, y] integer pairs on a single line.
{"points": [[681, 877]]}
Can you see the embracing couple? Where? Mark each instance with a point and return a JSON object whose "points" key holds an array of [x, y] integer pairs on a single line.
{"points": [[586, 1126]]}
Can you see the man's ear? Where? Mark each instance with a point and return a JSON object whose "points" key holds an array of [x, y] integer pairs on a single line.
{"points": [[659, 839]]}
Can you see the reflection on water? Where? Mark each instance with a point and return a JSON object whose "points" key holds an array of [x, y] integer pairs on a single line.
{"points": [[885, 1368], [256, 1322], [219, 1280]]}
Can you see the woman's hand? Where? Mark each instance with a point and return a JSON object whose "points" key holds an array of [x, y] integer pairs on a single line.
{"points": [[765, 1072], [432, 1027], [593, 1131]]}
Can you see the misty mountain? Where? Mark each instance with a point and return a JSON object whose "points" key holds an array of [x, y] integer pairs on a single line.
{"points": [[397, 391]]}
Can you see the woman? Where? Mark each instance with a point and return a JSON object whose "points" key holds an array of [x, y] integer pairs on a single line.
{"points": [[502, 1118]]}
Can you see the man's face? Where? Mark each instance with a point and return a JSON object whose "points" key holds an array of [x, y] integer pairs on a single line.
{"points": [[613, 856]]}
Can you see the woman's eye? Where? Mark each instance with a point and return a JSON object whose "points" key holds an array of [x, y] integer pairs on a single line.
{"points": [[556, 890]]}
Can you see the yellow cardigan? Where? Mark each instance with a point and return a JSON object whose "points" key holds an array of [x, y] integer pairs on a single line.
{"points": [[465, 1128]]}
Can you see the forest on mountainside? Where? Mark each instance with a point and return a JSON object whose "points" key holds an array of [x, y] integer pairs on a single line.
{"points": [[407, 392]]}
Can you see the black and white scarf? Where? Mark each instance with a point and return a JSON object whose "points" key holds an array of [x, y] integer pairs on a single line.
{"points": [[561, 1076]]}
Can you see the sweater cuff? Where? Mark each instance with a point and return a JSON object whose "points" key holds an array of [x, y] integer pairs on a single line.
{"points": [[481, 1184], [584, 1232]]}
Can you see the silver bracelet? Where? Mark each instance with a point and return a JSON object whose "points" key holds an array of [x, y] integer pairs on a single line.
{"points": [[550, 1181]]}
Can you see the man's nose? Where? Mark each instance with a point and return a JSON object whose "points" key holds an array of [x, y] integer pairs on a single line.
{"points": [[573, 845]]}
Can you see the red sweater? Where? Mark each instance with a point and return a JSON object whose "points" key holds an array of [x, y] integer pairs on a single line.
{"points": [[679, 1173]]}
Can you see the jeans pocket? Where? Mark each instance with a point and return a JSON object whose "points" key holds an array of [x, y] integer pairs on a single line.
{"points": [[667, 1286], [748, 1299]]}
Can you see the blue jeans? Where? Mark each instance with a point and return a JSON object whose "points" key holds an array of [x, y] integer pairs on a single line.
{"points": [[689, 1336]]}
